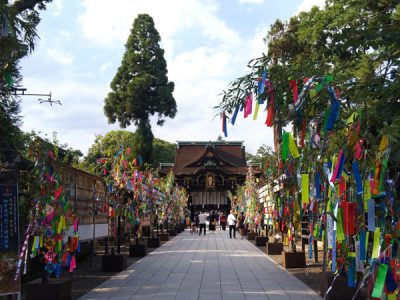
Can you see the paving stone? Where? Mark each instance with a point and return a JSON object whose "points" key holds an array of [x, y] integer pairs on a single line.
{"points": [[212, 267]]}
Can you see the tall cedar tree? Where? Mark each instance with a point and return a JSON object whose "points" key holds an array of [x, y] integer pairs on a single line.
{"points": [[141, 87]]}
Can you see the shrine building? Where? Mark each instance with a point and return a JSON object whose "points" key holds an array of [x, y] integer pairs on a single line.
{"points": [[208, 171]]}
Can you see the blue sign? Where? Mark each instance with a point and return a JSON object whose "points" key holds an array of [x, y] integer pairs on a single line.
{"points": [[8, 217]]}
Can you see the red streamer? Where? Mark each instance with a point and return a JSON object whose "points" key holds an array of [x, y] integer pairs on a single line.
{"points": [[295, 89]]}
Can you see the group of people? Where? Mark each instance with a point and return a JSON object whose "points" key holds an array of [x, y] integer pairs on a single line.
{"points": [[199, 222]]}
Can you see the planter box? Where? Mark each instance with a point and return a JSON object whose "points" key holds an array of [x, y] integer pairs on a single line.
{"points": [[163, 237], [138, 250], [178, 229], [153, 242], [56, 288], [113, 263], [340, 289], [294, 259], [251, 236], [274, 248], [261, 241], [172, 232]]}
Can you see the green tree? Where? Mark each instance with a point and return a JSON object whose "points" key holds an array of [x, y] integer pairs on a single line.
{"points": [[141, 87], [108, 145], [355, 41], [18, 22]]}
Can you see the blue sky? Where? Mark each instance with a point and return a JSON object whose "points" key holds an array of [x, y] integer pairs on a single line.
{"points": [[207, 44]]}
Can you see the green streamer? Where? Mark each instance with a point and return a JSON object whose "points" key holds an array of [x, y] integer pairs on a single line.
{"points": [[339, 226], [328, 78], [285, 145], [380, 281], [319, 87]]}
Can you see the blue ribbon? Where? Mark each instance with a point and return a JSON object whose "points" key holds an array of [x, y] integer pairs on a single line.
{"points": [[363, 236], [357, 177], [334, 251], [318, 185], [225, 129], [334, 111], [261, 87], [391, 284], [235, 113], [351, 274], [371, 215]]}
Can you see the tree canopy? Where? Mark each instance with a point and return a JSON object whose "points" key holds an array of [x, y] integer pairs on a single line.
{"points": [[351, 45], [18, 22], [140, 87], [108, 145]]}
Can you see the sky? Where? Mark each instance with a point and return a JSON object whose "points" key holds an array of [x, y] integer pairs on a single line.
{"points": [[207, 45]]}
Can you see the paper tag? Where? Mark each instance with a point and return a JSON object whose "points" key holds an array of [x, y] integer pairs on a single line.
{"points": [[376, 245], [304, 189], [380, 281], [371, 215]]}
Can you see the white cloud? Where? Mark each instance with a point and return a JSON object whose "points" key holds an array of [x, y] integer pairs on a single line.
{"points": [[251, 1], [105, 67], [58, 6], [59, 56], [306, 5], [110, 24]]}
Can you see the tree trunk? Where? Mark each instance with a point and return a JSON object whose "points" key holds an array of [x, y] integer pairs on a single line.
{"points": [[145, 140]]}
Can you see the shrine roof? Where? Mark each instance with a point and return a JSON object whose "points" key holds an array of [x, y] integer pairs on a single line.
{"points": [[190, 154]]}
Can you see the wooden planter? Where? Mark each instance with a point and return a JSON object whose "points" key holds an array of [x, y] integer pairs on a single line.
{"points": [[172, 232], [294, 259], [251, 236], [56, 288], [113, 263], [138, 250], [163, 236], [261, 241], [274, 248], [153, 242]]}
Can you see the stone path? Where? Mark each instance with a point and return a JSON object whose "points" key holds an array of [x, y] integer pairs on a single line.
{"points": [[209, 267]]}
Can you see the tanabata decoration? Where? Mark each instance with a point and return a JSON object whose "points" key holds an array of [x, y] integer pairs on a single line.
{"points": [[351, 200], [51, 216]]}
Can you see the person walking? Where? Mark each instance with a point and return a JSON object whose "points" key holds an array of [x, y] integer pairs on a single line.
{"points": [[222, 222], [202, 222], [232, 224]]}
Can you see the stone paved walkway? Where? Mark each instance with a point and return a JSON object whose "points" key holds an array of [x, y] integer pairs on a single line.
{"points": [[209, 267]]}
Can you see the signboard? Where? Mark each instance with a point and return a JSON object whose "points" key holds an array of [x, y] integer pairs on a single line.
{"points": [[8, 239]]}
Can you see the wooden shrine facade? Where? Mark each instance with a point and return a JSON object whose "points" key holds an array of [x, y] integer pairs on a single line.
{"points": [[208, 171]]}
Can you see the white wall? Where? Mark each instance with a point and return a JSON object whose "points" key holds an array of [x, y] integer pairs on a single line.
{"points": [[86, 232]]}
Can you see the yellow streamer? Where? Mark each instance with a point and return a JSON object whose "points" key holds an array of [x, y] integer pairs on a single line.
{"points": [[376, 246], [304, 189], [292, 147], [384, 143], [256, 111]]}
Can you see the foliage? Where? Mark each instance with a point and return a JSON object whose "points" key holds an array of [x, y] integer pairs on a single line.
{"points": [[109, 144], [355, 41], [18, 22], [141, 87]]}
